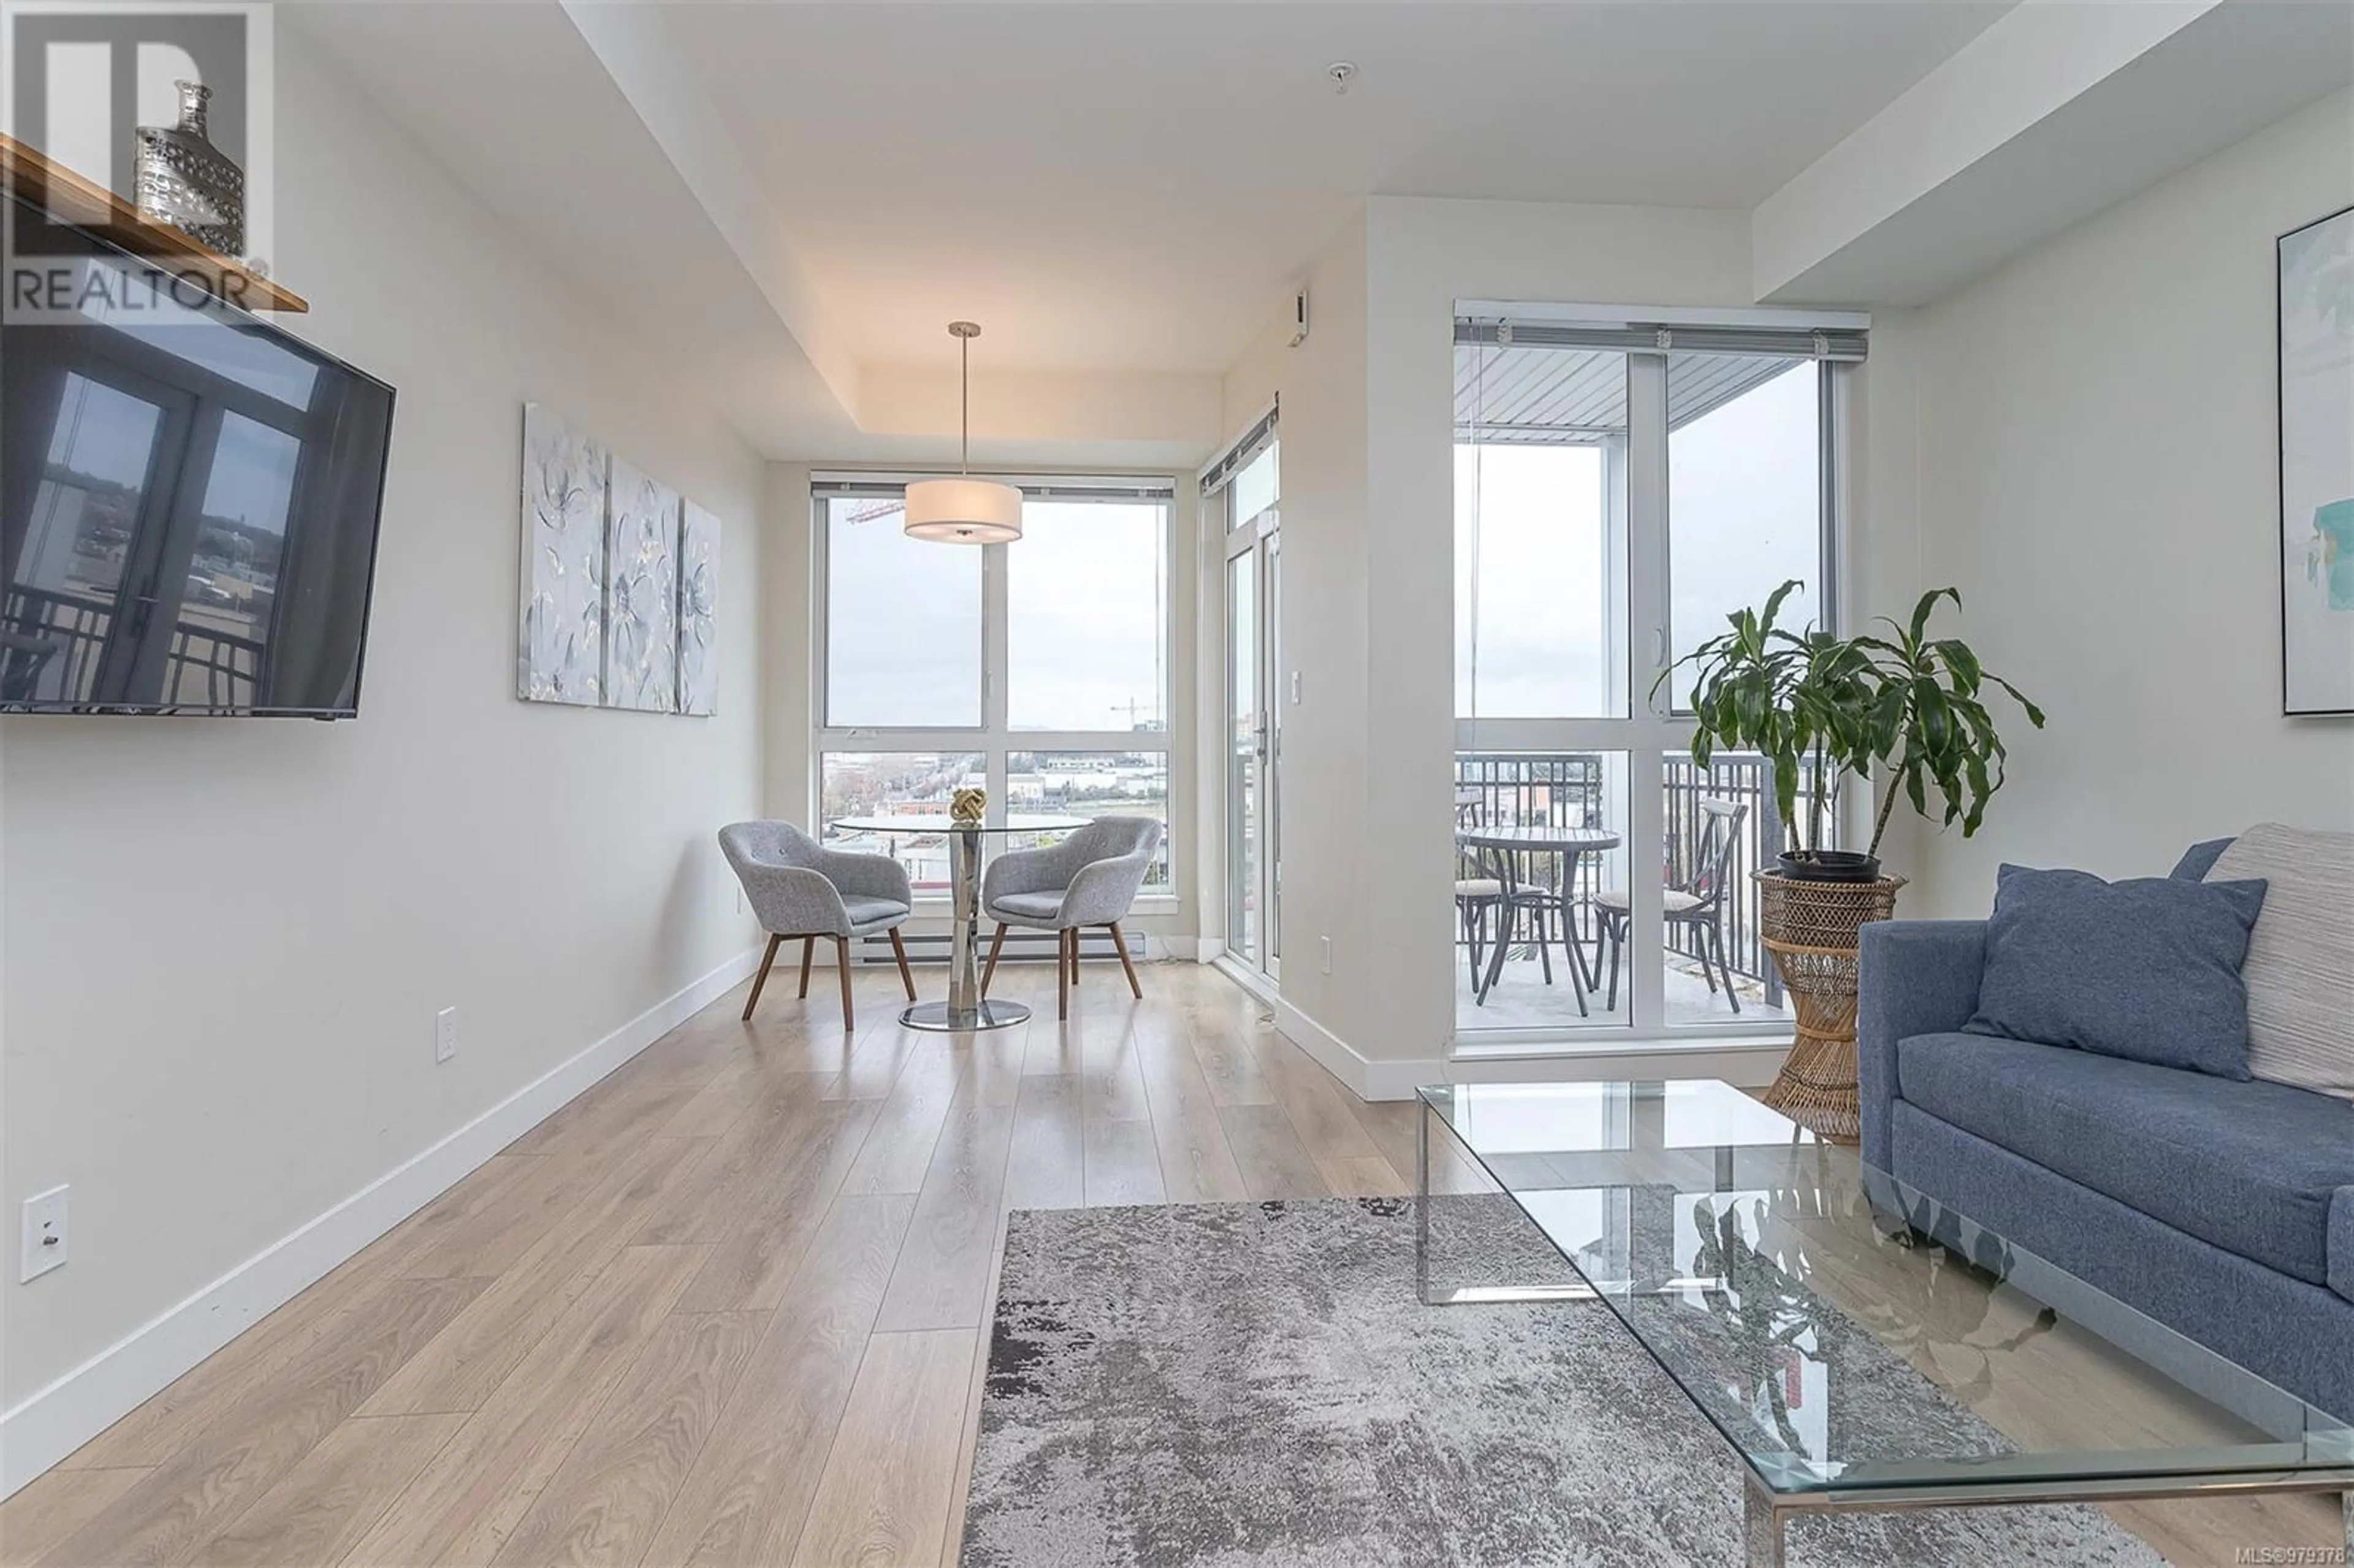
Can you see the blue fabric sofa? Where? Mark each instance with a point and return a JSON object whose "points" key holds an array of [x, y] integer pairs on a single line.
{"points": [[2224, 1210]]}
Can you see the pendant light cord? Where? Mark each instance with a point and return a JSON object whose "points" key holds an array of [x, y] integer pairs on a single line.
{"points": [[964, 410]]}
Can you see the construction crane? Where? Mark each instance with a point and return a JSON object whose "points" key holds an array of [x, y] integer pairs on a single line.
{"points": [[1133, 708]]}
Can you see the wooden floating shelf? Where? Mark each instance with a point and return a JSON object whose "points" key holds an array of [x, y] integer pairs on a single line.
{"points": [[71, 198]]}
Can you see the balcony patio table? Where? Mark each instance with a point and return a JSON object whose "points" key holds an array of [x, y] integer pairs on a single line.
{"points": [[1508, 846]]}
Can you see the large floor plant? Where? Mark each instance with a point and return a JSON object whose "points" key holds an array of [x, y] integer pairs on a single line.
{"points": [[1820, 707]]}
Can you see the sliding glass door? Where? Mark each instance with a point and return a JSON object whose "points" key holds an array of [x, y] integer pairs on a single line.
{"points": [[1253, 745], [1617, 495]]}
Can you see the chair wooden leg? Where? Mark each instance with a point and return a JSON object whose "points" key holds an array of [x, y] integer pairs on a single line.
{"points": [[1063, 976], [1074, 958], [996, 946], [899, 951], [842, 956], [761, 979], [1121, 942], [809, 948]]}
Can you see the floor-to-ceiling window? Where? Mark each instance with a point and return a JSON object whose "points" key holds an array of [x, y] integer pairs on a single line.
{"points": [[1037, 670], [1620, 488]]}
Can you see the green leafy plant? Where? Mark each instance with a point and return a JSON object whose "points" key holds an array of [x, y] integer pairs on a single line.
{"points": [[1801, 700], [1819, 707], [1930, 724]]}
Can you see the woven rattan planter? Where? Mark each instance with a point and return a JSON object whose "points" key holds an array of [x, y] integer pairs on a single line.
{"points": [[1810, 929]]}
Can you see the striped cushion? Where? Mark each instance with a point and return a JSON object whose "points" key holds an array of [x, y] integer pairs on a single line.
{"points": [[2300, 968]]}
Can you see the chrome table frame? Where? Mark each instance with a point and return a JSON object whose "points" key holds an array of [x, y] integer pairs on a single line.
{"points": [[1766, 1512], [1765, 1508], [966, 1008]]}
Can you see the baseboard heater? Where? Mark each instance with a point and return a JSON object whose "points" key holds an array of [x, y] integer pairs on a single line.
{"points": [[1021, 947]]}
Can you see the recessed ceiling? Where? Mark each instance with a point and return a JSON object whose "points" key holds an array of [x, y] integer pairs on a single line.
{"points": [[1134, 187]]}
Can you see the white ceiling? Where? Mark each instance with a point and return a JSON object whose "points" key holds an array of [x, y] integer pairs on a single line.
{"points": [[1135, 186], [1124, 191]]}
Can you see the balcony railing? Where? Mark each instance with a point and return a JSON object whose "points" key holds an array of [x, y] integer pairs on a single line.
{"points": [[1565, 789], [57, 642]]}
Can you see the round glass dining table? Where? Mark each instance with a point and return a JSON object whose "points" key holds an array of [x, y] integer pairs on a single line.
{"points": [[965, 1008]]}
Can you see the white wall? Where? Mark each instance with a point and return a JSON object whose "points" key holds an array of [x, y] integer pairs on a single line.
{"points": [[229, 939], [1325, 847], [2098, 475]]}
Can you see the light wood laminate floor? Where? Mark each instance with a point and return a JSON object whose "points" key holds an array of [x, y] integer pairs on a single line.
{"points": [[730, 1305]]}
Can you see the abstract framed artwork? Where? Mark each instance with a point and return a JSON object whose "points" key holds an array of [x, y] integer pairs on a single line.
{"points": [[641, 593], [2317, 466], [698, 612], [560, 649]]}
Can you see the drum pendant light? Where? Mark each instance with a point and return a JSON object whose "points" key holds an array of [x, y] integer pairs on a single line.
{"points": [[964, 510]]}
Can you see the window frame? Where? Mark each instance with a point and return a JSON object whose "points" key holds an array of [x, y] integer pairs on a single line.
{"points": [[1830, 456], [994, 738], [1656, 725]]}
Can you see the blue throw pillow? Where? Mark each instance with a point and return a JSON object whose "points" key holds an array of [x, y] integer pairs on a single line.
{"points": [[2147, 969], [2199, 860]]}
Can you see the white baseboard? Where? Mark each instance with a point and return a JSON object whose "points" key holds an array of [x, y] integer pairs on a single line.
{"points": [[52, 1423], [1173, 950], [1371, 1079]]}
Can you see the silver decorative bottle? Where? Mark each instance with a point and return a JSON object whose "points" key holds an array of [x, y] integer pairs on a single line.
{"points": [[188, 183]]}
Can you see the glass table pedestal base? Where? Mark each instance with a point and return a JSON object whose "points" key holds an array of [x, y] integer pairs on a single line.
{"points": [[945, 1017]]}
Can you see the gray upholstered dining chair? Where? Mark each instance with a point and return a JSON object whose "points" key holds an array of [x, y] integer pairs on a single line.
{"points": [[798, 888], [1089, 879]]}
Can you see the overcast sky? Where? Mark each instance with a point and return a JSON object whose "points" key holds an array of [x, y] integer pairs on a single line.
{"points": [[1086, 603], [1745, 515]]}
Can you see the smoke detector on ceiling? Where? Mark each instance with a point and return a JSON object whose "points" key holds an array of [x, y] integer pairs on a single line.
{"points": [[1341, 73]]}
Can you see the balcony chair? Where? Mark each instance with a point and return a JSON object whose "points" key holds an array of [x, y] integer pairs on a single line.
{"points": [[1090, 878], [1698, 901], [1477, 894], [799, 888]]}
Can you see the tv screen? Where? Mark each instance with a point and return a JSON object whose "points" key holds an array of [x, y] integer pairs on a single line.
{"points": [[188, 503]]}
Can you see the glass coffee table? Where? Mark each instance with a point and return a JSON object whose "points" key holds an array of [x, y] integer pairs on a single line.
{"points": [[1852, 1362]]}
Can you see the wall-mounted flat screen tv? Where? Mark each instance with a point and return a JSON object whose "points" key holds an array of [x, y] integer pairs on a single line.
{"points": [[189, 499]]}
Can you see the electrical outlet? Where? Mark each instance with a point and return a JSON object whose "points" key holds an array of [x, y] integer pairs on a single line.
{"points": [[445, 1034], [1325, 943], [44, 1234]]}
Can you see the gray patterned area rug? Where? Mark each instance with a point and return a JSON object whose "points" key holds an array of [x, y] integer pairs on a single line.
{"points": [[1244, 1385]]}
